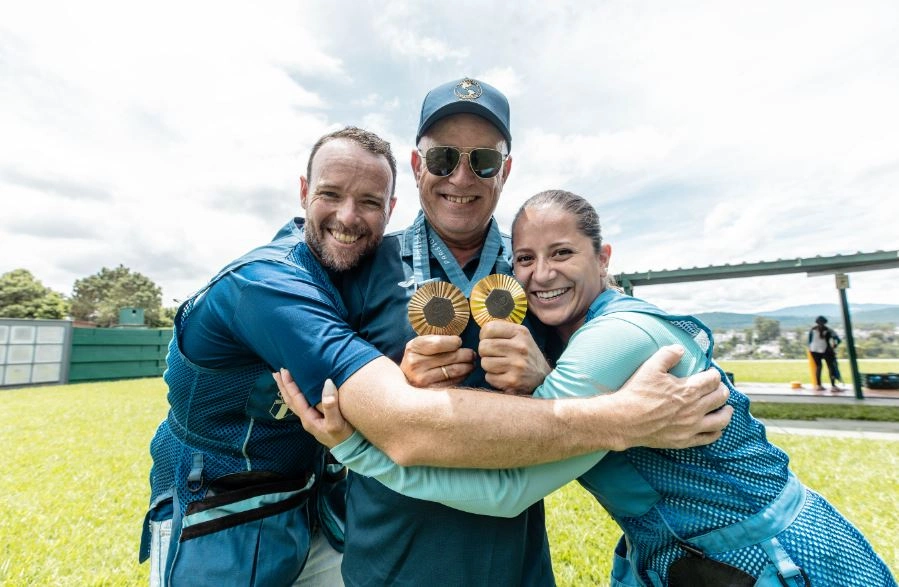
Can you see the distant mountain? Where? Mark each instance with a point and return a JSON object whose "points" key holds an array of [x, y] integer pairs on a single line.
{"points": [[726, 320], [890, 314], [795, 316], [824, 309]]}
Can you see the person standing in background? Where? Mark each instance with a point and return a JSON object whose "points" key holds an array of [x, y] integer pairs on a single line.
{"points": [[822, 344]]}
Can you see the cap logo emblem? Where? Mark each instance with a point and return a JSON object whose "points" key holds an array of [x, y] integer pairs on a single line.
{"points": [[468, 89]]}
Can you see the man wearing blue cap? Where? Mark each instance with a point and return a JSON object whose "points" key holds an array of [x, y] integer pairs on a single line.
{"points": [[460, 163]]}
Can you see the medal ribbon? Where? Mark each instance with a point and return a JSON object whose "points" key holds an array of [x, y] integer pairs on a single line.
{"points": [[425, 239]]}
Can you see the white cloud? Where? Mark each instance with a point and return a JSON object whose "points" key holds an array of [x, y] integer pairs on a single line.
{"points": [[395, 24], [505, 78], [635, 150], [171, 139]]}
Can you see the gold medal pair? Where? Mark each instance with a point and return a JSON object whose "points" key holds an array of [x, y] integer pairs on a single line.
{"points": [[439, 307]]}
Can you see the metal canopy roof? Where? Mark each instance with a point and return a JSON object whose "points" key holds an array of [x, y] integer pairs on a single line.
{"points": [[810, 265]]}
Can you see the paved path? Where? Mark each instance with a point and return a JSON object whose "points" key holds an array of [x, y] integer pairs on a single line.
{"points": [[782, 392]]}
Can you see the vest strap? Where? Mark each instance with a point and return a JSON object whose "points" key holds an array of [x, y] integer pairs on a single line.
{"points": [[758, 528], [195, 477]]}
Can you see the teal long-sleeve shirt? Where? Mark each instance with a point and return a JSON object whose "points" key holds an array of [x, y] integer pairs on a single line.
{"points": [[599, 358]]}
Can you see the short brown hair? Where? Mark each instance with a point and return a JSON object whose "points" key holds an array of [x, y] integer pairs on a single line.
{"points": [[365, 139]]}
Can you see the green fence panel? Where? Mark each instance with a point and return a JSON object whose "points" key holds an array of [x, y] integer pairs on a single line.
{"points": [[107, 353], [121, 336], [111, 353]]}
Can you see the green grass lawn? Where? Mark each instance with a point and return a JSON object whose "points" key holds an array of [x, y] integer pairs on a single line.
{"points": [[821, 410], [74, 486], [784, 371], [74, 489]]}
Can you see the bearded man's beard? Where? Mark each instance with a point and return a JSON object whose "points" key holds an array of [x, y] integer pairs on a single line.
{"points": [[339, 259]]}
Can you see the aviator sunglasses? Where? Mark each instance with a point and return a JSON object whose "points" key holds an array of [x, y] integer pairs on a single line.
{"points": [[442, 161]]}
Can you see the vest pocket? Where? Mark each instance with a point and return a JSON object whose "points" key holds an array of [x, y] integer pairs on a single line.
{"points": [[622, 571], [256, 535]]}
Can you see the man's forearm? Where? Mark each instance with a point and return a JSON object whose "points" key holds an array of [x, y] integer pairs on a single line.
{"points": [[470, 428]]}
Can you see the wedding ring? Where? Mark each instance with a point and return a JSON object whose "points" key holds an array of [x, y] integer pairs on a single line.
{"points": [[445, 374]]}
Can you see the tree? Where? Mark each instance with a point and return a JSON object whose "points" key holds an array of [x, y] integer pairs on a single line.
{"points": [[100, 297], [792, 347], [167, 316], [870, 348], [749, 336], [767, 329], [724, 347], [23, 296]]}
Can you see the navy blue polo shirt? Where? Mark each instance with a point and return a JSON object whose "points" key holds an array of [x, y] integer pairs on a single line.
{"points": [[396, 540]]}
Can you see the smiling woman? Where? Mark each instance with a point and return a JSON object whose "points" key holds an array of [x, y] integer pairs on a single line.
{"points": [[562, 275]]}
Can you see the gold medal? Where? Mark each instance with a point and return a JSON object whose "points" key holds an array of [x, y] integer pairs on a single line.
{"points": [[498, 297], [438, 307]]}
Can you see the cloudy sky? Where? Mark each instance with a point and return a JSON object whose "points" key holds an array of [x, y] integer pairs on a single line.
{"points": [[170, 136]]}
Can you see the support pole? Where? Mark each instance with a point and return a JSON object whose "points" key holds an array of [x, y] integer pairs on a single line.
{"points": [[842, 285]]}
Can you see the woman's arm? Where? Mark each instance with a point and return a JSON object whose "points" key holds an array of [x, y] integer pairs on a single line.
{"points": [[494, 492]]}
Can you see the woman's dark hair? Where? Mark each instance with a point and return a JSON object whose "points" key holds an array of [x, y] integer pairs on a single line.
{"points": [[581, 209]]}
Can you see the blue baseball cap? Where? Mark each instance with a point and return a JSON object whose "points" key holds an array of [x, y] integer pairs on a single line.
{"points": [[465, 96]]}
